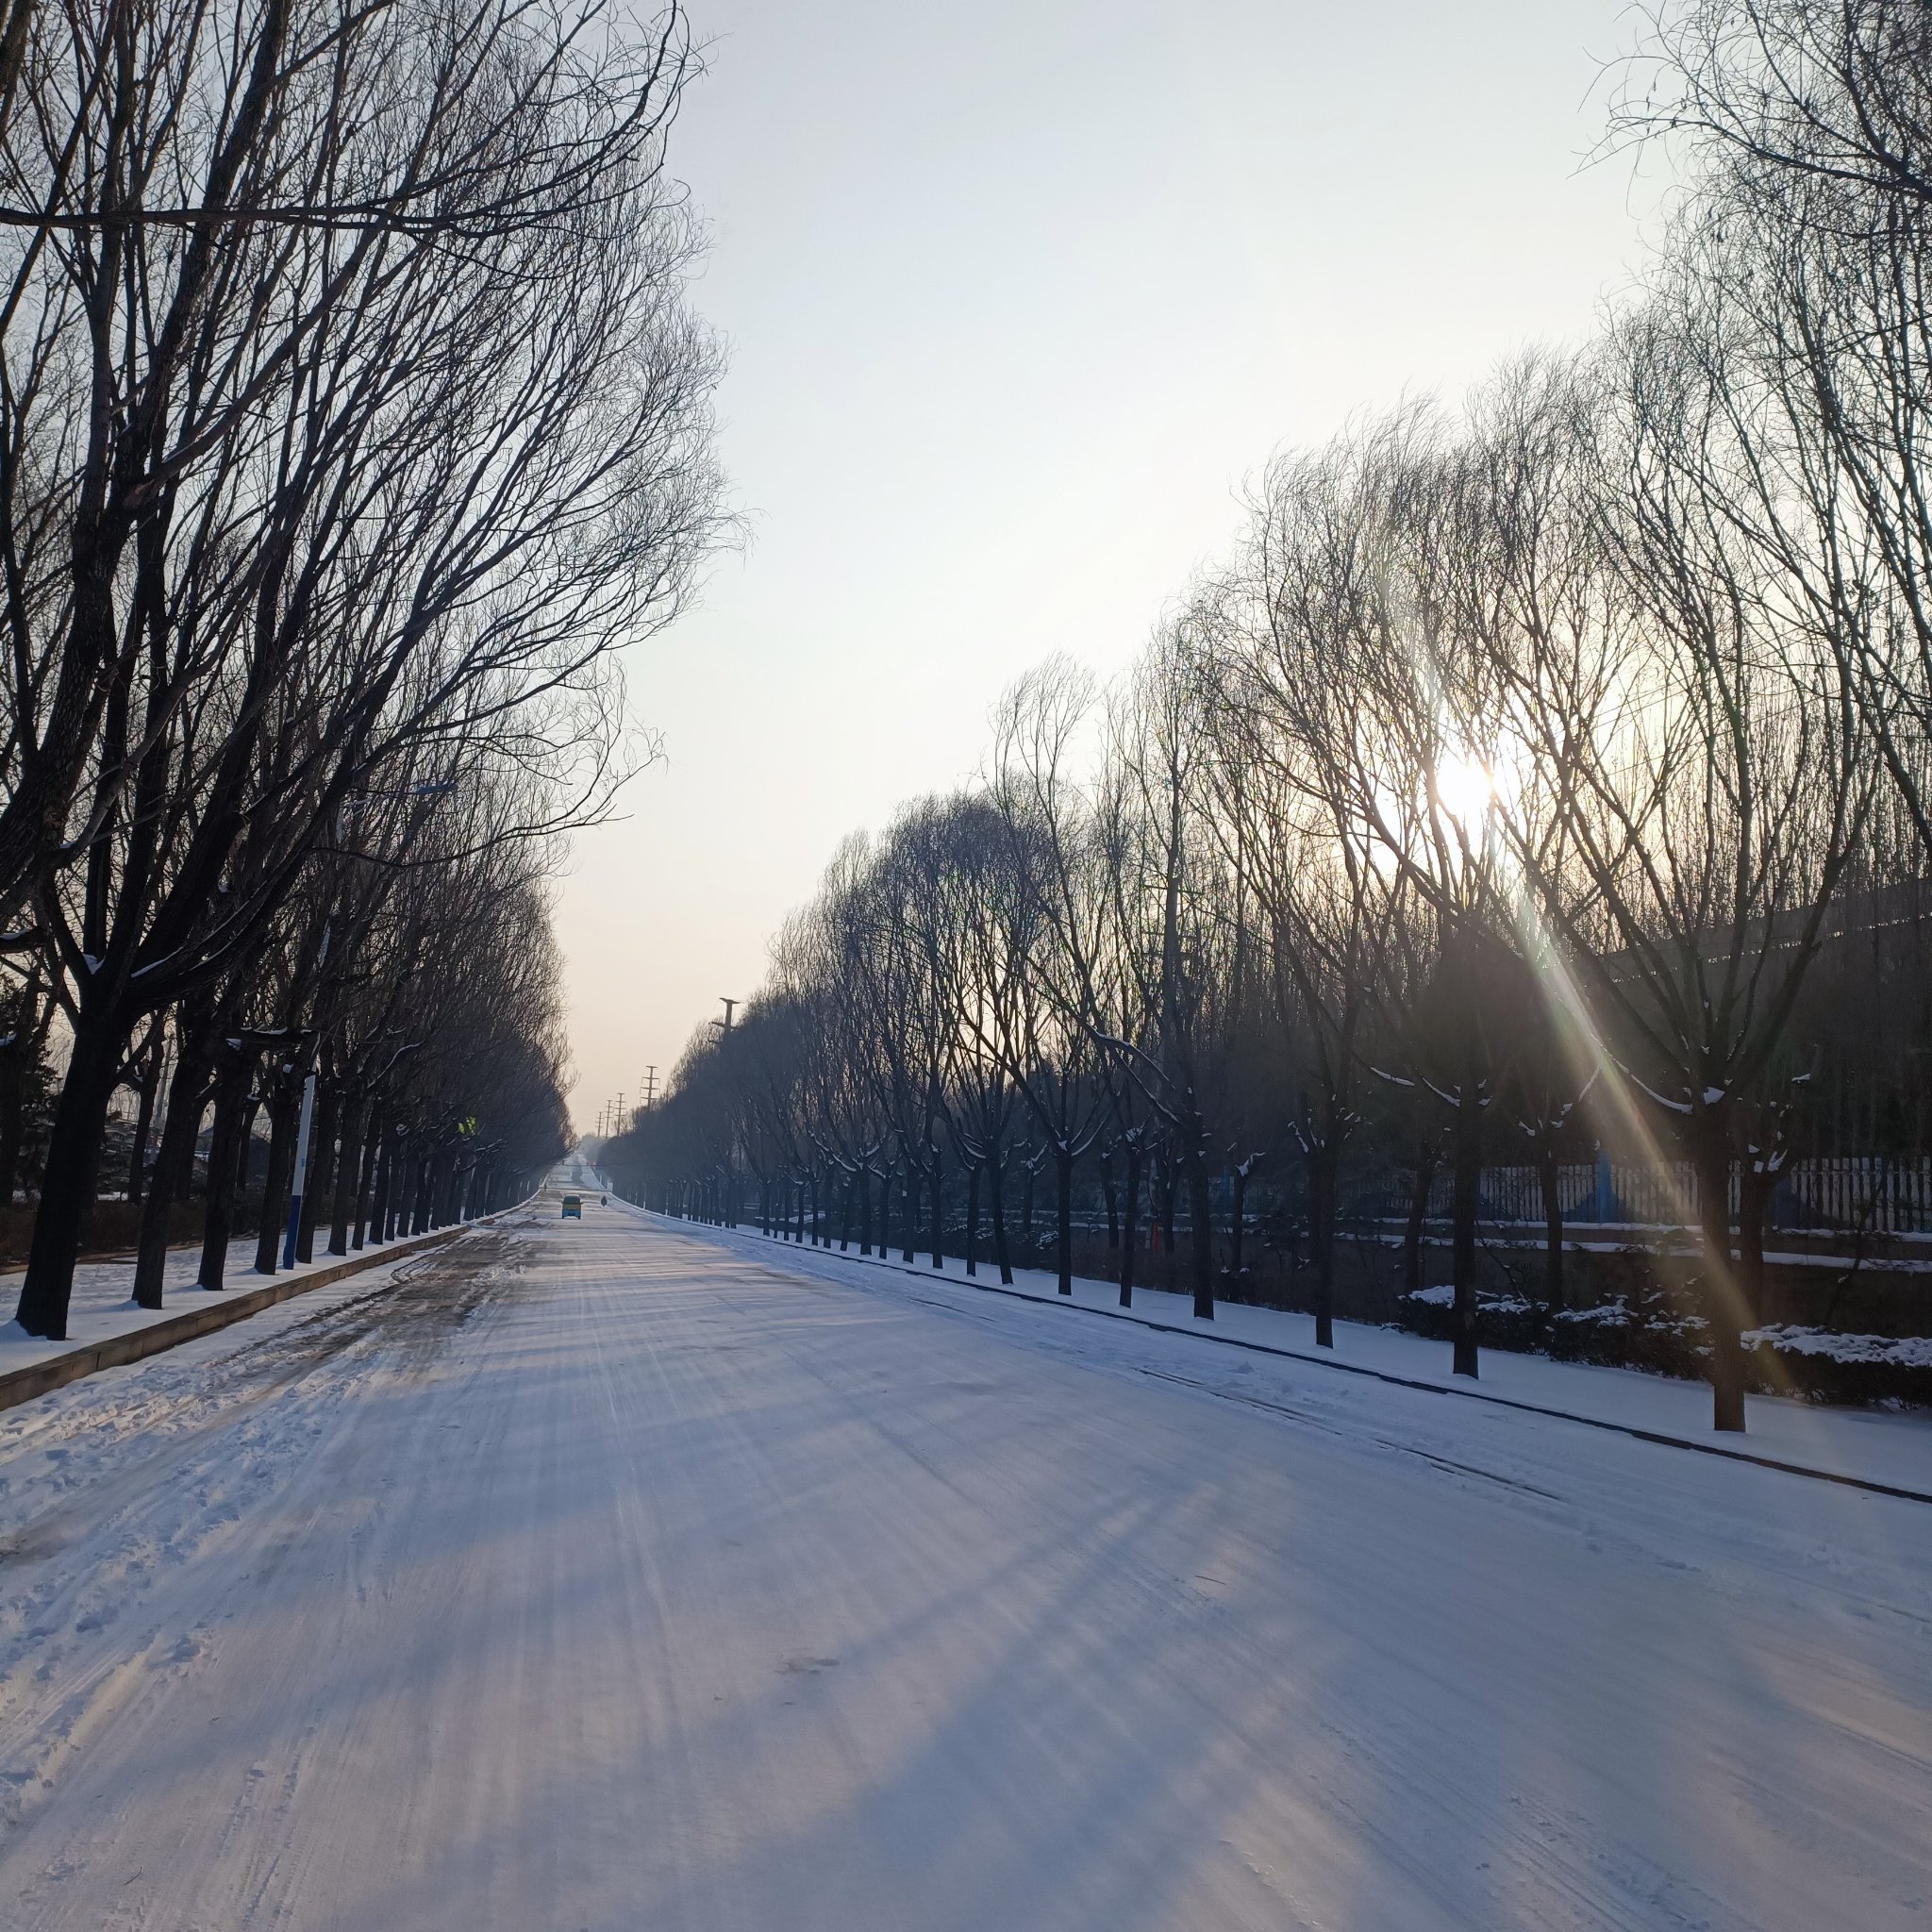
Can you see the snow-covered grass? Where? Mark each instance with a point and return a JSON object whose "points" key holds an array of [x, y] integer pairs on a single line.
{"points": [[1871, 1445]]}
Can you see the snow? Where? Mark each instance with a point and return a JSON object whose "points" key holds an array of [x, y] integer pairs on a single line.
{"points": [[1443, 1296], [615, 1575], [1868, 1446], [1908, 1351], [103, 1306], [1904, 1351]]}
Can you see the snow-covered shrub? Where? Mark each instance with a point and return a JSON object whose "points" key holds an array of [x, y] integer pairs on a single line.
{"points": [[1645, 1332], [1841, 1368]]}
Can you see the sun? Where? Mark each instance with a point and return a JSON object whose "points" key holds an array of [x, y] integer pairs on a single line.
{"points": [[1466, 789]]}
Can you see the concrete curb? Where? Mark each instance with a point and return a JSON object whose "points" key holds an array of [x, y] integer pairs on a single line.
{"points": [[42, 1379]]}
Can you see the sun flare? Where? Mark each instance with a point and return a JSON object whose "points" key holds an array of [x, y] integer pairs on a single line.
{"points": [[1465, 787]]}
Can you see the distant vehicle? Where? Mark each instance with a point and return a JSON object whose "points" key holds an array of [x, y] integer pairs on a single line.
{"points": [[572, 1208]]}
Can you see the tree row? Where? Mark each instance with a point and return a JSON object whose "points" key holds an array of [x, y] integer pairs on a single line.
{"points": [[351, 419], [1529, 778]]}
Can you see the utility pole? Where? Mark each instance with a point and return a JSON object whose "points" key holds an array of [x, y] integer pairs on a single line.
{"points": [[650, 1086], [728, 1005]]}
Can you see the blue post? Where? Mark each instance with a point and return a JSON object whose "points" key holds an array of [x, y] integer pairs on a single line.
{"points": [[1604, 1200]]}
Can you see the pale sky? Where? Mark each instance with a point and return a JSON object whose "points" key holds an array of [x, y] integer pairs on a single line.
{"points": [[1017, 295]]}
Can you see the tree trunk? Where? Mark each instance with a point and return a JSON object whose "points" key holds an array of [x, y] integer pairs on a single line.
{"points": [[996, 1170], [1108, 1189], [1724, 1311], [1063, 1205], [20, 1052], [1465, 1199], [912, 1241], [409, 1207], [348, 1174], [174, 1163], [244, 1145], [1550, 1177], [1129, 1225], [973, 1218], [402, 1179], [284, 1111], [13, 1062], [373, 1129], [1427, 1159], [231, 1108], [144, 1122], [1324, 1168], [319, 1181], [939, 1208], [1235, 1229], [385, 1185], [67, 1189], [1200, 1207]]}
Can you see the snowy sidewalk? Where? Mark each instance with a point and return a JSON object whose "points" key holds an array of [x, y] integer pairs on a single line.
{"points": [[102, 1308], [1890, 1449]]}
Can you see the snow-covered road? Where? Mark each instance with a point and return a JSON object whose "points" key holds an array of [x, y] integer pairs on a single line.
{"points": [[606, 1577]]}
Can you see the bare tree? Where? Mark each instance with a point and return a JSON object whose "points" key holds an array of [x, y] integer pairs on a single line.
{"points": [[471, 463]]}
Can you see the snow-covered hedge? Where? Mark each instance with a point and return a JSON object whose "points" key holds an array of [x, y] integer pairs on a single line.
{"points": [[1842, 1368], [1783, 1360]]}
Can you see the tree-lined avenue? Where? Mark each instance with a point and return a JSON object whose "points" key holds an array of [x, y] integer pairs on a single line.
{"points": [[603, 1575]]}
